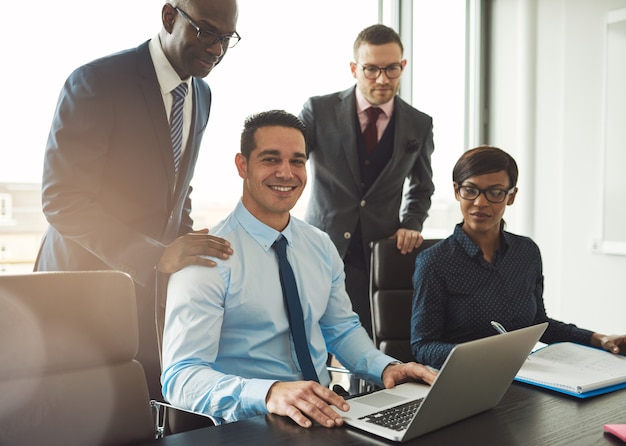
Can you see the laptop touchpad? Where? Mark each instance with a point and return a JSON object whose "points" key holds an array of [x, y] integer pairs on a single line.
{"points": [[381, 399]]}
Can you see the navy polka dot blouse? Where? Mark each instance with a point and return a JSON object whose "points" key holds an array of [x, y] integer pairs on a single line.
{"points": [[458, 293]]}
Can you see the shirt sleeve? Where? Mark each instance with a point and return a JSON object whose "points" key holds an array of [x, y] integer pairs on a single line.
{"points": [[428, 314], [193, 321], [417, 197], [345, 336]]}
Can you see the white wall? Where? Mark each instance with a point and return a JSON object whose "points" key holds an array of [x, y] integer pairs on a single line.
{"points": [[547, 111]]}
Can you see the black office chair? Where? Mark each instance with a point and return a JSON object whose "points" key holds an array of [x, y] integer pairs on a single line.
{"points": [[391, 294], [67, 373]]}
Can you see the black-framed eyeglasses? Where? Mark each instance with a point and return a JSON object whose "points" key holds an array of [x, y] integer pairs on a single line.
{"points": [[210, 38], [493, 195], [392, 71]]}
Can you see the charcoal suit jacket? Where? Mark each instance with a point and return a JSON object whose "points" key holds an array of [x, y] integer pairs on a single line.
{"points": [[338, 199]]}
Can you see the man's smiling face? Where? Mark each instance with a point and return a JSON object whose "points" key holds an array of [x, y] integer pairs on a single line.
{"points": [[274, 174]]}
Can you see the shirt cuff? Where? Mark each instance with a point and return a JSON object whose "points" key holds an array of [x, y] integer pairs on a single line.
{"points": [[254, 395], [379, 365]]}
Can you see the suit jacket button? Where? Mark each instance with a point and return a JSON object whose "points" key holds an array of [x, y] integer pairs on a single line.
{"points": [[362, 203], [347, 235]]}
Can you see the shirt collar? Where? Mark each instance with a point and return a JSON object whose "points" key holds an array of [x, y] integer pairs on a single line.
{"points": [[466, 243], [472, 248], [362, 104], [166, 74], [259, 231]]}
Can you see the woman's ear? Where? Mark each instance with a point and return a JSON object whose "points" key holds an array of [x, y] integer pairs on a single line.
{"points": [[456, 191], [511, 198]]}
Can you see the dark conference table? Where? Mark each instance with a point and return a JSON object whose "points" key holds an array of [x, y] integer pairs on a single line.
{"points": [[526, 416]]}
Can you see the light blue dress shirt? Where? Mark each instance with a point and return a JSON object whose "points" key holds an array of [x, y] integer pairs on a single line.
{"points": [[227, 338]]}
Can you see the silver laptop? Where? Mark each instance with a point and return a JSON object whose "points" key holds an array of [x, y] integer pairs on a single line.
{"points": [[473, 379]]}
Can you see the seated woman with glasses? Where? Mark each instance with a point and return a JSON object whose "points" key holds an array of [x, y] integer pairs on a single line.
{"points": [[482, 273]]}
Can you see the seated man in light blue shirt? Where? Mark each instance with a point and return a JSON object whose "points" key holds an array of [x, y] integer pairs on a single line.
{"points": [[227, 345]]}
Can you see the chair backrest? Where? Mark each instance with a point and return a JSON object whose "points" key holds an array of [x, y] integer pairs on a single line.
{"points": [[391, 294], [67, 373]]}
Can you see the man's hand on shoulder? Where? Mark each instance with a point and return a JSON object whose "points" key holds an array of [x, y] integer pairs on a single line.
{"points": [[397, 373], [190, 248], [305, 402]]}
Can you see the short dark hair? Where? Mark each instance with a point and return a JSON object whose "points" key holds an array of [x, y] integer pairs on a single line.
{"points": [[482, 160], [270, 118], [376, 35]]}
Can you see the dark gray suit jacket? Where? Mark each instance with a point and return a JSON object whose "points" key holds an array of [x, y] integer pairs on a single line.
{"points": [[108, 188], [338, 199]]}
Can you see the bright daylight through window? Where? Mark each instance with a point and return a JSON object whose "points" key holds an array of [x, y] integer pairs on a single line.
{"points": [[288, 52]]}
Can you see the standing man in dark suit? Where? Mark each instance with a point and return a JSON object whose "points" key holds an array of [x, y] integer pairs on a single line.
{"points": [[359, 164], [115, 191]]}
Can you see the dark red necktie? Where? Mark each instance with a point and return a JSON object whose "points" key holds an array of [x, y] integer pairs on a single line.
{"points": [[370, 134]]}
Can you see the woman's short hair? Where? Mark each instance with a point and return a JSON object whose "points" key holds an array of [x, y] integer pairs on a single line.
{"points": [[482, 160]]}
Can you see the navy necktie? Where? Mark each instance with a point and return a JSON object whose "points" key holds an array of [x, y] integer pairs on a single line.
{"points": [[294, 310], [370, 134], [176, 122]]}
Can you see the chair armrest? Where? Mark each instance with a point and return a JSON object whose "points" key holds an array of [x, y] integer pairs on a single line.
{"points": [[357, 385], [333, 369], [180, 420]]}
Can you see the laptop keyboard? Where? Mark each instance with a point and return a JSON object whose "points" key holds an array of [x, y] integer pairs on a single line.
{"points": [[396, 418]]}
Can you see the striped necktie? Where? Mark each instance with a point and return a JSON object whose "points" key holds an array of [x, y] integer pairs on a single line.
{"points": [[176, 122]]}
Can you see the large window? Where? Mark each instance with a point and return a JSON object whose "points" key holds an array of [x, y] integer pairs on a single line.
{"points": [[439, 89], [289, 51]]}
